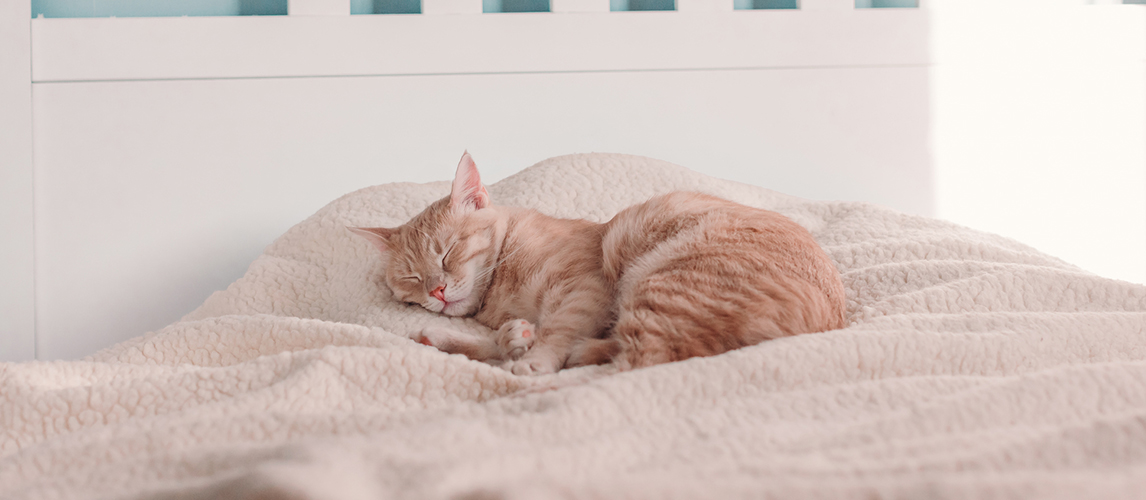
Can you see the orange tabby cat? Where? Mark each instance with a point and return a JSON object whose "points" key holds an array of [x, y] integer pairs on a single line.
{"points": [[681, 275]]}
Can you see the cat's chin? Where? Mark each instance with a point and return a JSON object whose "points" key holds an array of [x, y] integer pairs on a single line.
{"points": [[459, 308]]}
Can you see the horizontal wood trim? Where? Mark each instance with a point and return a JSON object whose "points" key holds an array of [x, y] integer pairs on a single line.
{"points": [[66, 50]]}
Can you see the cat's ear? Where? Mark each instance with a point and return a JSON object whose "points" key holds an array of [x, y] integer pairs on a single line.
{"points": [[377, 236], [467, 193]]}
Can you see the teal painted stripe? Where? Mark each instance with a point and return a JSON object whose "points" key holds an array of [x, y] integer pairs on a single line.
{"points": [[887, 4], [157, 8], [385, 6], [764, 4], [515, 6], [624, 5]]}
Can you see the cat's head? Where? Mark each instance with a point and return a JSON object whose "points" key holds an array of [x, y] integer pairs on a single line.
{"points": [[442, 259]]}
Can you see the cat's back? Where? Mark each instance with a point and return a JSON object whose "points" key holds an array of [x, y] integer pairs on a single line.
{"points": [[728, 274], [712, 226]]}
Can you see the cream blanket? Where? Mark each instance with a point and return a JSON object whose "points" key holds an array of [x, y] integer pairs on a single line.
{"points": [[972, 366]]}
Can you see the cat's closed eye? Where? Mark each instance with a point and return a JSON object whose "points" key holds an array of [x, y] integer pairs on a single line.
{"points": [[446, 256]]}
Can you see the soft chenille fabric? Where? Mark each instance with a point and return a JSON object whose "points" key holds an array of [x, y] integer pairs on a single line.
{"points": [[971, 366]]}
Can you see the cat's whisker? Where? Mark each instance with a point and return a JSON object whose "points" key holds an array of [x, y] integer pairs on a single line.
{"points": [[489, 270]]}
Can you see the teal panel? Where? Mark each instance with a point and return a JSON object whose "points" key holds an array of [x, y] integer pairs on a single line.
{"points": [[623, 5], [397, 6], [774, 4], [652, 4], [887, 4], [262, 7], [515, 6], [157, 8], [525, 5], [361, 7]]}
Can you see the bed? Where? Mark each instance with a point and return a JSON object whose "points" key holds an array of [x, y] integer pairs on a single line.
{"points": [[971, 366], [196, 340]]}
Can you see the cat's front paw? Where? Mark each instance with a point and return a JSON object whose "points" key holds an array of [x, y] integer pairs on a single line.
{"points": [[433, 336], [531, 366], [523, 367], [515, 337]]}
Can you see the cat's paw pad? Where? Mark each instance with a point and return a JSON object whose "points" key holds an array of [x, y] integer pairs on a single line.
{"points": [[529, 367], [515, 337]]}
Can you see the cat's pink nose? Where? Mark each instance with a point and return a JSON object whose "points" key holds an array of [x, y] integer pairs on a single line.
{"points": [[439, 293]]}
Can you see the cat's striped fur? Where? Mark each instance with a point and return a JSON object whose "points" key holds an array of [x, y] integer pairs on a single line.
{"points": [[681, 275]]}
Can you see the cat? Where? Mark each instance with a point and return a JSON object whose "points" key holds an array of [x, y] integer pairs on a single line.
{"points": [[681, 275]]}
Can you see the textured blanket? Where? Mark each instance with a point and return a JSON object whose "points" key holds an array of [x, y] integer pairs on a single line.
{"points": [[971, 366]]}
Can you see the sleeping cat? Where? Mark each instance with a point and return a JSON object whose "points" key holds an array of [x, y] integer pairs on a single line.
{"points": [[681, 275]]}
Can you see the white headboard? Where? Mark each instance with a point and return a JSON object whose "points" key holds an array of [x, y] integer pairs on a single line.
{"points": [[160, 155]]}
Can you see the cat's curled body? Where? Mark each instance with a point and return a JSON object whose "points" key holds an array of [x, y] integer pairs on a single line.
{"points": [[681, 275]]}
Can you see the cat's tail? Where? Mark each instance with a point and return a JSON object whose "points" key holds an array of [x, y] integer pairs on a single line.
{"points": [[589, 352], [645, 338], [630, 345], [637, 348]]}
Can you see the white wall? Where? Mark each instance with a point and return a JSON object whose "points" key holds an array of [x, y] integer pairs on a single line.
{"points": [[1040, 126]]}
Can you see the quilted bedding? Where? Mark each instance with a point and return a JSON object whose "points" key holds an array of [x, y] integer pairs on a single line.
{"points": [[971, 367]]}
